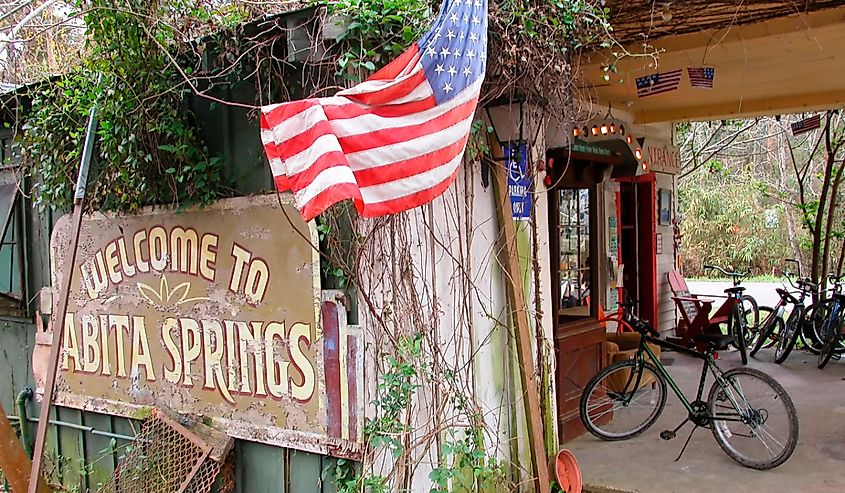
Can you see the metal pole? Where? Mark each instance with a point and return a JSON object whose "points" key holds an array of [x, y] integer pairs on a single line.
{"points": [[59, 318]]}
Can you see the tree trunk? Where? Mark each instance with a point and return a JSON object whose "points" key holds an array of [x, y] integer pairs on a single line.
{"points": [[831, 213]]}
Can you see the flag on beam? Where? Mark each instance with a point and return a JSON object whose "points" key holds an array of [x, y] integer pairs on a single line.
{"points": [[701, 76], [806, 124], [650, 85], [394, 141]]}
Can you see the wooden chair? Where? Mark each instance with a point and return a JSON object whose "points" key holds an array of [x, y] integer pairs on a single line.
{"points": [[695, 311]]}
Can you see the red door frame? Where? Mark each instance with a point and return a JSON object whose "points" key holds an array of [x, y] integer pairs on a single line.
{"points": [[647, 236]]}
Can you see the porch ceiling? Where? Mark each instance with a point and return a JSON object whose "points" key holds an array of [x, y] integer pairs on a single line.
{"points": [[789, 64]]}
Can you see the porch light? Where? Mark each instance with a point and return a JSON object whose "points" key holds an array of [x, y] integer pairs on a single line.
{"points": [[604, 129], [638, 153]]}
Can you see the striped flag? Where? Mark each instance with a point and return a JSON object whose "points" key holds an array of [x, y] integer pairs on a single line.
{"points": [[807, 124], [394, 141], [701, 76], [650, 85]]}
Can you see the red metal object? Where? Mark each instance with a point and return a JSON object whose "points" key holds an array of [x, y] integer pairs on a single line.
{"points": [[567, 472]]}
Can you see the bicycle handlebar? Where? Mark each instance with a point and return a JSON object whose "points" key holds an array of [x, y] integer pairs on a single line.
{"points": [[736, 275]]}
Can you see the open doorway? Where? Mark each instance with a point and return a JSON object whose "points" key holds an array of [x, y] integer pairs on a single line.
{"points": [[637, 211]]}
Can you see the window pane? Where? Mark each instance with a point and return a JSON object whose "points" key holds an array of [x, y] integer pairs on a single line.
{"points": [[574, 268]]}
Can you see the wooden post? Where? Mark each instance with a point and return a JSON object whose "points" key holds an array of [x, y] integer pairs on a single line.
{"points": [[516, 300], [59, 315], [14, 463]]}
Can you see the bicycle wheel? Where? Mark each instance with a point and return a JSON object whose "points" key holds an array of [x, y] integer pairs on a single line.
{"points": [[790, 333], [623, 400], [812, 325], [765, 334], [737, 330], [753, 418], [830, 336], [821, 314], [751, 317], [753, 333]]}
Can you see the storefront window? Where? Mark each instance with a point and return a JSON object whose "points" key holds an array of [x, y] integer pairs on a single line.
{"points": [[575, 263]]}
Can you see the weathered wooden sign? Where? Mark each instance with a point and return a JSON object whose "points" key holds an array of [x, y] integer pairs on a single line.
{"points": [[215, 312]]}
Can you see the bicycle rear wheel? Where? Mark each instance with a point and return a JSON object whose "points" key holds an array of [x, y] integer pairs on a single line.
{"points": [[831, 337], [737, 324], [623, 400], [812, 325], [789, 334], [753, 418]]}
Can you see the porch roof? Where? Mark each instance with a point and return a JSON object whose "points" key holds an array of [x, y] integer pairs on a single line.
{"points": [[787, 63]]}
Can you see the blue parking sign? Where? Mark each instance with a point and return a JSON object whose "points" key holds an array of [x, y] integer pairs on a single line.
{"points": [[519, 180]]}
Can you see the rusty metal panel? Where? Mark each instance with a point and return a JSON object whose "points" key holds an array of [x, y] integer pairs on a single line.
{"points": [[214, 312]]}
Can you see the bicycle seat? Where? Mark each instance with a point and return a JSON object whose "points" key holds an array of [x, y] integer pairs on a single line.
{"points": [[735, 289], [714, 341]]}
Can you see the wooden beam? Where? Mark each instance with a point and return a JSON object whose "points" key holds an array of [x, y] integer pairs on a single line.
{"points": [[519, 311], [14, 463], [793, 103], [64, 296], [791, 24]]}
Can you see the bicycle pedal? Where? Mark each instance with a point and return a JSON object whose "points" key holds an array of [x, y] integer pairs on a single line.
{"points": [[667, 435]]}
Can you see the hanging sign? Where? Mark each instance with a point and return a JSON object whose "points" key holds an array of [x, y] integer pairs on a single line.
{"points": [[519, 180], [215, 312]]}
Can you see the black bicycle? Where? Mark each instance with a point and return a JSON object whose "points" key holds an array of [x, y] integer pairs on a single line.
{"points": [[784, 334], [750, 415]]}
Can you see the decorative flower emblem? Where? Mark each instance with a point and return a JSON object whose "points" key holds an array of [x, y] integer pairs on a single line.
{"points": [[164, 297]]}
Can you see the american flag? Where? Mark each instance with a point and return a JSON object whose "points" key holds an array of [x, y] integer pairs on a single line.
{"points": [[807, 124], [650, 85], [701, 76], [394, 141]]}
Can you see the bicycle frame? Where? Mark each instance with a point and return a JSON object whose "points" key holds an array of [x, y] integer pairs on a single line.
{"points": [[709, 366]]}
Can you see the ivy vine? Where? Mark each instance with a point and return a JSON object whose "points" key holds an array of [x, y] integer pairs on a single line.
{"points": [[148, 148]]}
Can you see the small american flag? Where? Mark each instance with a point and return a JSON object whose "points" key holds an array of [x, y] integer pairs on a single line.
{"points": [[807, 124], [701, 76], [394, 141], [650, 85]]}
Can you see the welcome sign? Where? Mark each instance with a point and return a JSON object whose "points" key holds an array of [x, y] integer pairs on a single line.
{"points": [[214, 312]]}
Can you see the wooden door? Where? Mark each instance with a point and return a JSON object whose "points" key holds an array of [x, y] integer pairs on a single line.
{"points": [[579, 339]]}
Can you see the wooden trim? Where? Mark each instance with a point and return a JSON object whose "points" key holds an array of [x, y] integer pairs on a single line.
{"points": [[522, 334], [742, 108]]}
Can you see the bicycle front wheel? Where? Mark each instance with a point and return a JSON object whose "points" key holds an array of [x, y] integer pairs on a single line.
{"points": [[751, 318], [790, 333], [623, 400], [753, 418], [764, 339]]}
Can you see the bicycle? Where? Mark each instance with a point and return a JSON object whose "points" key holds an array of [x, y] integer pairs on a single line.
{"points": [[817, 313], [742, 422], [622, 317], [789, 330], [734, 308], [831, 335]]}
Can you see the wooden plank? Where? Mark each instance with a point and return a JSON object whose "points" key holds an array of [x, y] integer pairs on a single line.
{"points": [[71, 458], [516, 299], [305, 472], [98, 454], [260, 468]]}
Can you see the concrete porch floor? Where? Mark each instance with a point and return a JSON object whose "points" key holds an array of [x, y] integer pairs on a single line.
{"points": [[647, 464]]}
